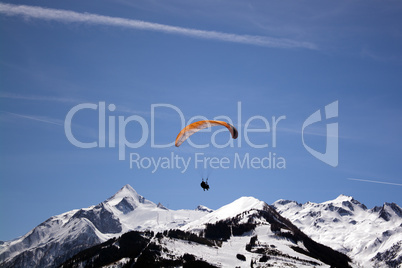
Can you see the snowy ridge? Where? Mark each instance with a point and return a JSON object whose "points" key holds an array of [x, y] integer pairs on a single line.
{"points": [[49, 242], [244, 232], [204, 208], [349, 227], [246, 229], [231, 210]]}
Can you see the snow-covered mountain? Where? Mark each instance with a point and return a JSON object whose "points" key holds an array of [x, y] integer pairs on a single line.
{"points": [[128, 229], [244, 233], [371, 237], [62, 236]]}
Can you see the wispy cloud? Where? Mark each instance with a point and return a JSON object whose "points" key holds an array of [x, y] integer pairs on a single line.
{"points": [[39, 98], [311, 131], [67, 16], [67, 100], [38, 118], [83, 130], [368, 53], [380, 182]]}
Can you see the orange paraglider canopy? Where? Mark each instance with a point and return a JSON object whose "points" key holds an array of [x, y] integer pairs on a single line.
{"points": [[197, 126]]}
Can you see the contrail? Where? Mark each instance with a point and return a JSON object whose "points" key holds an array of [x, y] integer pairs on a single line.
{"points": [[39, 98], [50, 14], [381, 182], [36, 119]]}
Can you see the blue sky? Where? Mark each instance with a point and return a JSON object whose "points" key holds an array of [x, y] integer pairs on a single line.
{"points": [[162, 64]]}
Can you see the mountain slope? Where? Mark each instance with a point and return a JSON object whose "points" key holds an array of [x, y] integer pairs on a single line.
{"points": [[134, 230], [243, 233], [371, 237], [64, 235]]}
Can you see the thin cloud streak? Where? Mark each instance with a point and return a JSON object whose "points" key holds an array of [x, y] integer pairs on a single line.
{"points": [[312, 132], [380, 182], [39, 98], [88, 18], [40, 119], [119, 108], [83, 130]]}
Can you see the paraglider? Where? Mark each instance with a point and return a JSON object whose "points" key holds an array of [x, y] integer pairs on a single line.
{"points": [[205, 185], [197, 126]]}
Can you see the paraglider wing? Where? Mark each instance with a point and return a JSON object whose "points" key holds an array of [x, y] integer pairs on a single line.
{"points": [[197, 126]]}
